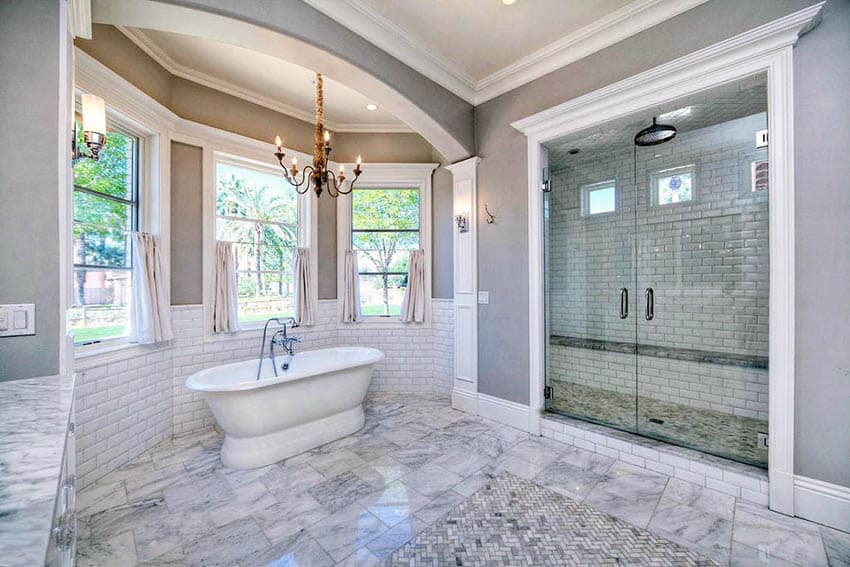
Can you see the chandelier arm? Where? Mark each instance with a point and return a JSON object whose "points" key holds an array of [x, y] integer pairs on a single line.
{"points": [[297, 184], [350, 185]]}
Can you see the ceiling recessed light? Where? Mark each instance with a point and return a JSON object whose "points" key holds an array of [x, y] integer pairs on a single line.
{"points": [[371, 106], [508, 2]]}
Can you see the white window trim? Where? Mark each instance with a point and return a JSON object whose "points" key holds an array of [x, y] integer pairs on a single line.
{"points": [[586, 190], [259, 155], [153, 198], [380, 175], [655, 176]]}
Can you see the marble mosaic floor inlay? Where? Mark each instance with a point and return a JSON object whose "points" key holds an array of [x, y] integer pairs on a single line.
{"points": [[360, 499], [511, 521]]}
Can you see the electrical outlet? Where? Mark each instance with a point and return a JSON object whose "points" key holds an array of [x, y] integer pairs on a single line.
{"points": [[17, 319], [483, 297]]}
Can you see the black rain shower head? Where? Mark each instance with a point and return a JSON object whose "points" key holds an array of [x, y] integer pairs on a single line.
{"points": [[655, 134]]}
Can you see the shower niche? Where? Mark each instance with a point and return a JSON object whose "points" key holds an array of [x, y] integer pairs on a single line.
{"points": [[656, 260]]}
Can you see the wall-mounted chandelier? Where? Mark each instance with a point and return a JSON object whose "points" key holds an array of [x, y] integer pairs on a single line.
{"points": [[317, 175]]}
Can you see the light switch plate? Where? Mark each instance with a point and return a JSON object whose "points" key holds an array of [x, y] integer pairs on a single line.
{"points": [[483, 297], [17, 319]]}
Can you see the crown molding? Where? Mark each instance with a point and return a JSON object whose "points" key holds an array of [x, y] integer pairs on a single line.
{"points": [[146, 44], [629, 20], [79, 18]]}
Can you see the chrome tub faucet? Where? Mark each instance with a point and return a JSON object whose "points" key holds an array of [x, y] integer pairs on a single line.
{"points": [[279, 338]]}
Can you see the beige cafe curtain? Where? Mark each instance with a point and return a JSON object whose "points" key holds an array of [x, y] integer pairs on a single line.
{"points": [[304, 304], [351, 289], [413, 305], [225, 302], [151, 312]]}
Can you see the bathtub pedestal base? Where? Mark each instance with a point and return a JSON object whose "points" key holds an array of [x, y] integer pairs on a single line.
{"points": [[255, 452]]}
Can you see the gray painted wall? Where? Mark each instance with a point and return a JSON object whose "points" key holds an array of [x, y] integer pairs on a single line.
{"points": [[502, 179], [29, 182], [187, 171], [822, 142]]}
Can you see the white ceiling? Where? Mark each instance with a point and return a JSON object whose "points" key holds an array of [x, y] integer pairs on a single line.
{"points": [[263, 79], [480, 49]]}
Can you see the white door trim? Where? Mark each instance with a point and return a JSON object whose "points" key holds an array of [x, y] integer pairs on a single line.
{"points": [[767, 48]]}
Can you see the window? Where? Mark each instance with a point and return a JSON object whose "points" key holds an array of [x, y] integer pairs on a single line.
{"points": [[105, 213], [674, 185], [599, 198], [385, 225], [759, 175], [257, 210]]}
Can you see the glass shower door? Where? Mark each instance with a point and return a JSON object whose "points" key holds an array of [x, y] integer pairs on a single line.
{"points": [[702, 280], [589, 227]]}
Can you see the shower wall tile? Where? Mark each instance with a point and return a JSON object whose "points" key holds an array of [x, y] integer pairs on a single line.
{"points": [[130, 401]]}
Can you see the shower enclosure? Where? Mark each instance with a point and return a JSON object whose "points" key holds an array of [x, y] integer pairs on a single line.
{"points": [[657, 274]]}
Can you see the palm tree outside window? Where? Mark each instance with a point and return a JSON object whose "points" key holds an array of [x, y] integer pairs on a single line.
{"points": [[257, 210]]}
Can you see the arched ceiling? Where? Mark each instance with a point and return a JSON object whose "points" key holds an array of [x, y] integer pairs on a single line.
{"points": [[296, 32]]}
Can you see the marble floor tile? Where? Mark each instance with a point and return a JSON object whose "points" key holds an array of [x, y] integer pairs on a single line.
{"points": [[198, 493], [151, 483], [126, 518], [700, 498], [636, 509], [745, 556], [438, 506], [337, 462], [416, 456], [585, 460], [369, 447], [681, 523], [118, 550], [404, 433], [381, 471], [568, 480], [395, 503], [468, 427], [100, 497], [338, 492], [630, 481], [135, 468], [387, 542], [293, 514], [228, 545], [346, 531], [781, 536], [517, 465], [360, 558], [474, 482], [156, 539], [300, 550], [837, 545], [285, 479], [431, 480], [175, 455], [249, 498], [463, 462]]}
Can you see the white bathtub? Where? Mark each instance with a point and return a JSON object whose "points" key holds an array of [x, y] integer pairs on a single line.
{"points": [[317, 400]]}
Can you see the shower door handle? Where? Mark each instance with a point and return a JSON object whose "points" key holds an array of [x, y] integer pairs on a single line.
{"points": [[624, 303], [650, 304]]}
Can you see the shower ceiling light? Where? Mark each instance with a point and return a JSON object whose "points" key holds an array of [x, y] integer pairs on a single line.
{"points": [[677, 114], [372, 106], [508, 2]]}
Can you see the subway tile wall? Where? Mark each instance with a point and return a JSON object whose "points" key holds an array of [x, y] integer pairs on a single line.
{"points": [[130, 401]]}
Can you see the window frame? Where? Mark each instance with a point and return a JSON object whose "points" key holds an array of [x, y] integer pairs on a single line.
{"points": [[589, 188], [388, 176], [124, 125], [260, 156], [689, 168]]}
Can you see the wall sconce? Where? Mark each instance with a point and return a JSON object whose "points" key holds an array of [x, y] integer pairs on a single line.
{"points": [[94, 128], [462, 221]]}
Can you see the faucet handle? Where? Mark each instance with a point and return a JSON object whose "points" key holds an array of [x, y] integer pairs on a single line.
{"points": [[293, 324]]}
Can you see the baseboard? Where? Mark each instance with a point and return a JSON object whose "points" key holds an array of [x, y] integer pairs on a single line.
{"points": [[822, 502], [491, 407], [465, 401]]}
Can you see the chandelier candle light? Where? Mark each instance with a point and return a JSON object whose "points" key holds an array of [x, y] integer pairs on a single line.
{"points": [[317, 175]]}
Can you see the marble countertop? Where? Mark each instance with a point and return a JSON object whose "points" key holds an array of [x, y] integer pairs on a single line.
{"points": [[34, 417]]}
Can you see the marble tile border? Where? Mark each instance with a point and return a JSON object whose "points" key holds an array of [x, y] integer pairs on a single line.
{"points": [[735, 479]]}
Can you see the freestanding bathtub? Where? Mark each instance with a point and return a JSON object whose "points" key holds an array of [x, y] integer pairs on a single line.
{"points": [[317, 400]]}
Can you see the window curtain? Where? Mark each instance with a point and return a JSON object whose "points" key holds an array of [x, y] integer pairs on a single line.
{"points": [[351, 289], [151, 312], [225, 302], [304, 304], [413, 305]]}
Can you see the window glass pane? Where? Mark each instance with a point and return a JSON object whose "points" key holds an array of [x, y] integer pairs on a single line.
{"points": [[114, 171], [385, 209], [101, 231], [602, 200], [674, 188], [101, 304], [382, 295], [258, 210]]}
